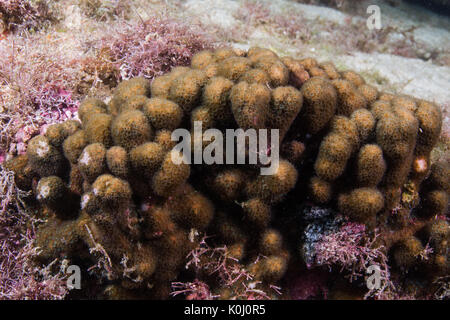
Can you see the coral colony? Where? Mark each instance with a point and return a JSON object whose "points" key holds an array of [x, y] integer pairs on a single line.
{"points": [[213, 153], [353, 188]]}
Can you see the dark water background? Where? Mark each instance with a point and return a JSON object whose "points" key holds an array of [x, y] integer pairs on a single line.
{"points": [[439, 6]]}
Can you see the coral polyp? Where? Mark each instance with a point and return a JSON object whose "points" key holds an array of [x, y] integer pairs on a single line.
{"points": [[355, 166]]}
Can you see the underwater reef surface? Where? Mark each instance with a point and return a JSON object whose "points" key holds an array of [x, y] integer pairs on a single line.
{"points": [[66, 51], [354, 188]]}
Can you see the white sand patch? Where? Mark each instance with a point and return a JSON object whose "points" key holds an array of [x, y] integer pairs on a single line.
{"points": [[217, 12], [311, 12], [435, 38]]}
